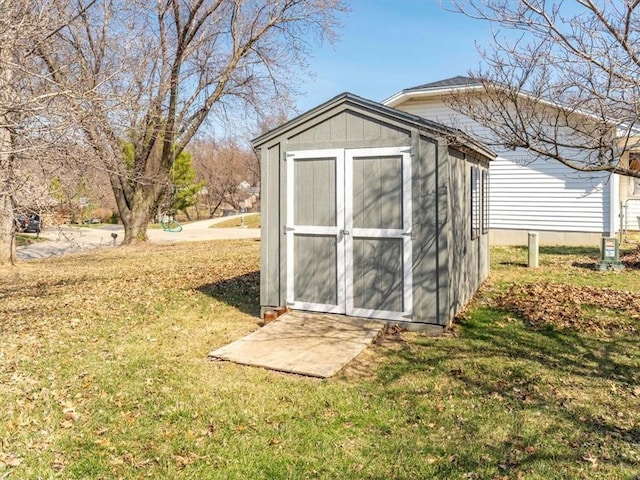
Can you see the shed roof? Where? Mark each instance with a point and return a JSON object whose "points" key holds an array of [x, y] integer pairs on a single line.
{"points": [[424, 126]]}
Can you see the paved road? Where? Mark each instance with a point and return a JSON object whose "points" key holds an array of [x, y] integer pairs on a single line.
{"points": [[67, 240]]}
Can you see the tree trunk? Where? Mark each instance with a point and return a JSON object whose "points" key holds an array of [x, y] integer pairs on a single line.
{"points": [[7, 231], [7, 186], [136, 216], [7, 239], [137, 209], [135, 226]]}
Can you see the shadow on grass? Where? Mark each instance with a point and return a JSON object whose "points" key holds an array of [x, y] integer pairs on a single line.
{"points": [[585, 265], [241, 292], [564, 250], [582, 384], [514, 264], [584, 251], [561, 250]]}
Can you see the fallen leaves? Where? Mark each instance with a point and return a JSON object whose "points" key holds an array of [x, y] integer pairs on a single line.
{"points": [[631, 259], [570, 307], [64, 321], [9, 460]]}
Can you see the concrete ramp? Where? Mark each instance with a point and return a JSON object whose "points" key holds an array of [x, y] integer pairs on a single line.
{"points": [[312, 344]]}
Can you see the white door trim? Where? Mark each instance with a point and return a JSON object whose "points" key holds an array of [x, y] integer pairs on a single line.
{"points": [[404, 233], [292, 230], [344, 231]]}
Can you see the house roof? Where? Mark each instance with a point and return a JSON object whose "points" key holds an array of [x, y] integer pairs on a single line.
{"points": [[425, 126], [433, 88], [457, 81]]}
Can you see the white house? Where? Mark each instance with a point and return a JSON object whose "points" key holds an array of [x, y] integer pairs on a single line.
{"points": [[530, 194]]}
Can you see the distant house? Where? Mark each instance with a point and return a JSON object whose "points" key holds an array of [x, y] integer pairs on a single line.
{"points": [[244, 186], [528, 193]]}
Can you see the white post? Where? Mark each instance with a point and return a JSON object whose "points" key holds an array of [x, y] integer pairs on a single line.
{"points": [[533, 250]]}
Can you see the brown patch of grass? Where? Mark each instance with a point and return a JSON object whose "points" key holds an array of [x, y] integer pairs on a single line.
{"points": [[250, 220]]}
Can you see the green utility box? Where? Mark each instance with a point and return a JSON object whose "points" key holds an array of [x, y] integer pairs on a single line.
{"points": [[610, 254]]}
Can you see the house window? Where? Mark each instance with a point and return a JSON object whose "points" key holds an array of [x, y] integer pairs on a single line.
{"points": [[479, 202], [485, 202], [476, 203]]}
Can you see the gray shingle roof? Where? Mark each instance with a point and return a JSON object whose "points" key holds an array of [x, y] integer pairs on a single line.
{"points": [[458, 81]]}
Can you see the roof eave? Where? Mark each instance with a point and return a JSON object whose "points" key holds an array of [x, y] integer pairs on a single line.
{"points": [[406, 95]]}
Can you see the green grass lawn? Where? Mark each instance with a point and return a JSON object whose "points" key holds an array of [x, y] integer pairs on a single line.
{"points": [[104, 374]]}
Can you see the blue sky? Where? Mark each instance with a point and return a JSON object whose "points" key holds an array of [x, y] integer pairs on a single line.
{"points": [[388, 45]]}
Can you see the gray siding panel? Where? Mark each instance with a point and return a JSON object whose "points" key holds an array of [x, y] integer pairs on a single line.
{"points": [[315, 196], [371, 130], [322, 132], [348, 129], [378, 275], [338, 125], [459, 234], [281, 225], [377, 192], [270, 228], [469, 258], [354, 126], [425, 233], [315, 267], [443, 224]]}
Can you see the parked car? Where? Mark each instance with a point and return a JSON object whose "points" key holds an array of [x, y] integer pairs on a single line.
{"points": [[29, 223]]}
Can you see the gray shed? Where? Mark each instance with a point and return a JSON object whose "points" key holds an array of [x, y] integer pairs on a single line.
{"points": [[371, 212]]}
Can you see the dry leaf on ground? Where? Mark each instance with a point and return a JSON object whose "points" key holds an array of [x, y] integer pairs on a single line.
{"points": [[567, 307]]}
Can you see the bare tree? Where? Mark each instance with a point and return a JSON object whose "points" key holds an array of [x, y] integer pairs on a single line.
{"points": [[150, 74], [561, 79], [28, 125], [223, 167]]}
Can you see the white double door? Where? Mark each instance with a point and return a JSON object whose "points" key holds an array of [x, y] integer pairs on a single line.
{"points": [[348, 232]]}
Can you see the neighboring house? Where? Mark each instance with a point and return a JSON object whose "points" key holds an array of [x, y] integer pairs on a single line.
{"points": [[531, 194], [244, 186], [372, 212]]}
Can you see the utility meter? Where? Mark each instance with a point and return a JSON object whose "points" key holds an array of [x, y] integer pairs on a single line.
{"points": [[610, 254]]}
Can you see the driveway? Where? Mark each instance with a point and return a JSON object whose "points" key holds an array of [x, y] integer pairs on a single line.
{"points": [[67, 240]]}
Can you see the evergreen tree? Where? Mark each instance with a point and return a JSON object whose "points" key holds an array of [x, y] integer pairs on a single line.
{"points": [[184, 186]]}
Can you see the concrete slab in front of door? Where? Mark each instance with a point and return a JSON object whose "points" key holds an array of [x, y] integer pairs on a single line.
{"points": [[313, 344]]}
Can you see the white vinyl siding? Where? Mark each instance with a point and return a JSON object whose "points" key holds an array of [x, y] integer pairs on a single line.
{"points": [[528, 193], [632, 211], [633, 215]]}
